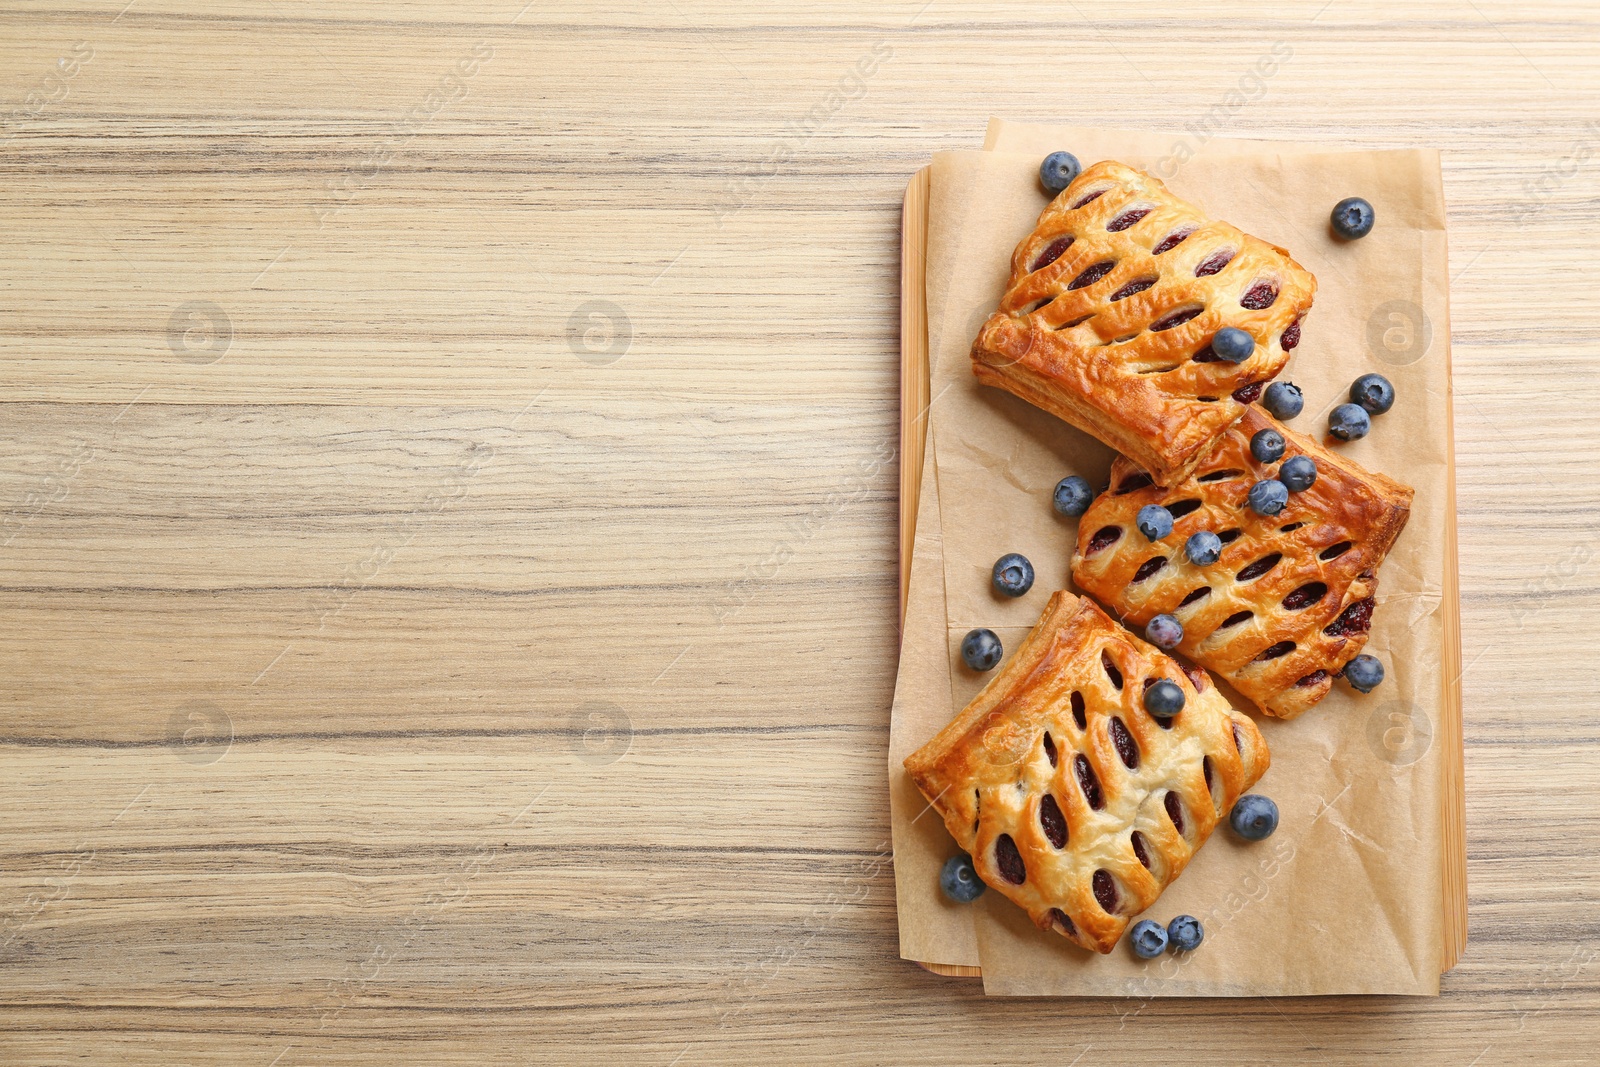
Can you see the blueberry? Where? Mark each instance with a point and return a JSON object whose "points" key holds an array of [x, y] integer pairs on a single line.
{"points": [[1364, 673], [1013, 574], [1155, 521], [1058, 170], [1352, 217], [1185, 933], [1204, 548], [1283, 400], [1073, 496], [959, 879], [1164, 699], [1164, 631], [981, 650], [1254, 817], [1267, 446], [1298, 473], [1373, 392], [1232, 344], [1149, 939], [1349, 422], [1268, 496]]}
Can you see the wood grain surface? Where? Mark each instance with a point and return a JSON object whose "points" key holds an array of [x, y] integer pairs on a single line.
{"points": [[448, 518]]}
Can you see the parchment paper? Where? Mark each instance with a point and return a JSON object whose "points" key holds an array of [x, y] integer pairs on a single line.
{"points": [[1345, 897]]}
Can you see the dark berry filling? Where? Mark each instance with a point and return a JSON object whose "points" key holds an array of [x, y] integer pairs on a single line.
{"points": [[1178, 509], [1236, 618], [1198, 594], [1009, 860], [1126, 748], [1206, 355], [1077, 711], [1260, 296], [1218, 476], [1147, 568], [1105, 890], [1050, 748], [1138, 285], [1314, 678], [1291, 337], [1088, 782], [1305, 596], [1205, 767], [1249, 394], [1334, 551], [1214, 262], [1282, 648], [1126, 219], [1238, 739], [1197, 678], [1171, 241], [1092, 274], [1052, 252], [1174, 808], [1259, 567], [1103, 538], [1354, 620], [1052, 821], [1111, 669], [1063, 922], [1228, 537], [1096, 195], [1139, 850], [1175, 318]]}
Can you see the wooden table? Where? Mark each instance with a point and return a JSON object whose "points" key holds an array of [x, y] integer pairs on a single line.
{"points": [[447, 501]]}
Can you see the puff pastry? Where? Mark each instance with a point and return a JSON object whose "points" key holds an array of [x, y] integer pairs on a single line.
{"points": [[1108, 318], [1072, 801], [1289, 602]]}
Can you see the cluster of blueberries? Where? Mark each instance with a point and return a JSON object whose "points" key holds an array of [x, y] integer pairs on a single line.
{"points": [[1253, 818]]}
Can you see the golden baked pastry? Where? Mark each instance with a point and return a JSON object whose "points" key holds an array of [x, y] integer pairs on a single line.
{"points": [[1108, 318], [1072, 800], [1289, 602]]}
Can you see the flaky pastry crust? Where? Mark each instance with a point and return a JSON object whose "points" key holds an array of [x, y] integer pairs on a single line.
{"points": [[1108, 318], [1289, 602], [1072, 800]]}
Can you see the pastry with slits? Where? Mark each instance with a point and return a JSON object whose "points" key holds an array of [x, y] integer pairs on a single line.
{"points": [[1289, 602], [1112, 303], [1073, 801]]}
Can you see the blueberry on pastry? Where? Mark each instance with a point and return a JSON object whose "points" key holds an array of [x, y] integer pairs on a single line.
{"points": [[1289, 600], [1116, 307], [1073, 801]]}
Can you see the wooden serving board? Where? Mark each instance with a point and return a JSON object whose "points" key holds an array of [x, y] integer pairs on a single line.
{"points": [[914, 390]]}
